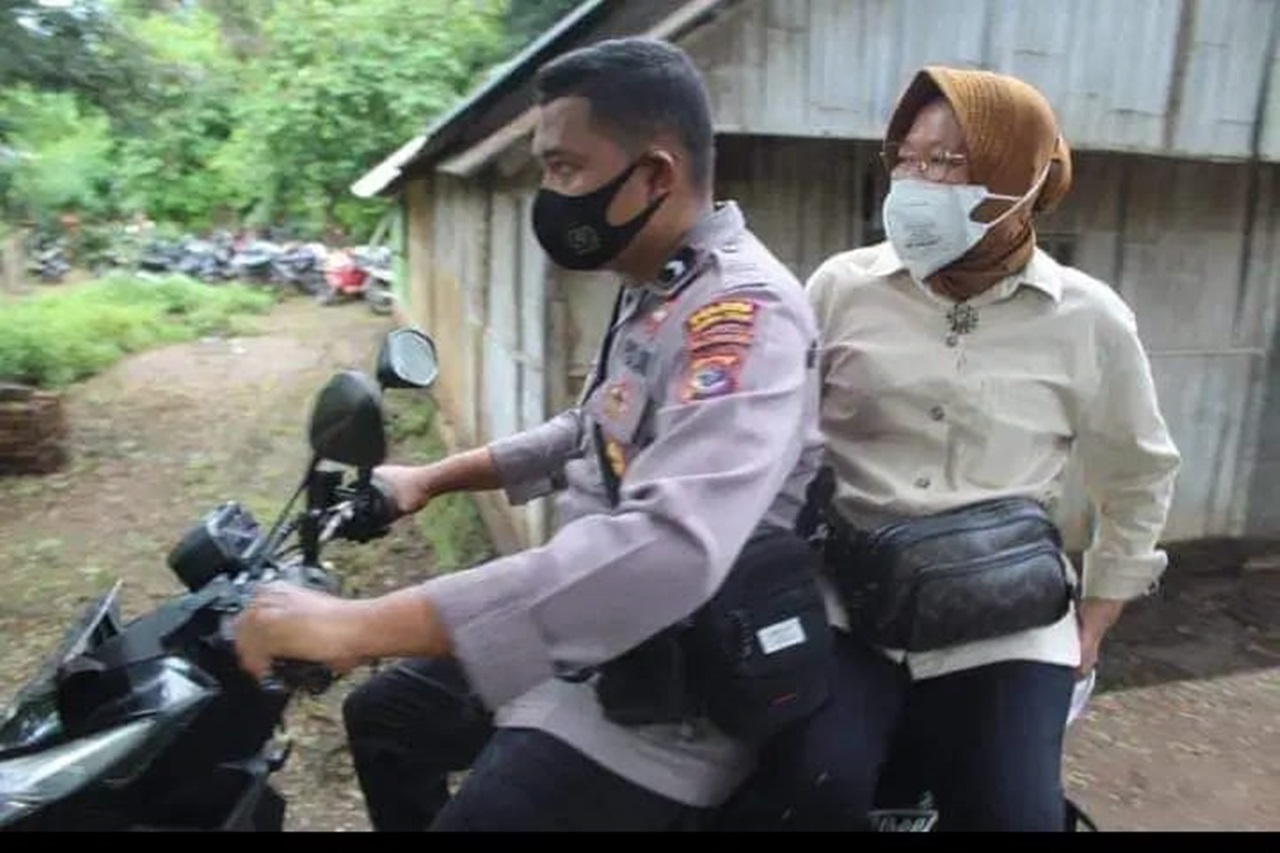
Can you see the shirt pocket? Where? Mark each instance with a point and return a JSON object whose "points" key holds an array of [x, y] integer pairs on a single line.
{"points": [[1022, 424]]}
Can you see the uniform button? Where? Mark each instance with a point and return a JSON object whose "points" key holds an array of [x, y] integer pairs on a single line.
{"points": [[938, 413], [923, 483]]}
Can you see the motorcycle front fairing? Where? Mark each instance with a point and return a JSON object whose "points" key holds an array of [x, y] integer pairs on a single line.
{"points": [[109, 758], [117, 713], [32, 722]]}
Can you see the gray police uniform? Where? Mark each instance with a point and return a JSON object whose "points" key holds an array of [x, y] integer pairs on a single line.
{"points": [[707, 414]]}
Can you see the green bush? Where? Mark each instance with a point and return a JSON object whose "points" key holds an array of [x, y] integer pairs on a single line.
{"points": [[451, 524], [61, 336]]}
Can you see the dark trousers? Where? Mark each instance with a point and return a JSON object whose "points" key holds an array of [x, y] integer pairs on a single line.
{"points": [[413, 724], [986, 743]]}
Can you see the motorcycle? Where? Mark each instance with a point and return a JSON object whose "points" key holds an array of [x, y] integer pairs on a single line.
{"points": [[152, 725], [159, 257], [360, 273], [301, 266], [50, 266], [205, 260], [254, 262]]}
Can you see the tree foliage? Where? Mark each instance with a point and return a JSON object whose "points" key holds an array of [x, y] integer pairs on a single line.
{"points": [[73, 47], [208, 112], [528, 19]]}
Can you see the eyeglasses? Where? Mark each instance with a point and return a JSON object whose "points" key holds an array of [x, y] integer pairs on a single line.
{"points": [[936, 166]]}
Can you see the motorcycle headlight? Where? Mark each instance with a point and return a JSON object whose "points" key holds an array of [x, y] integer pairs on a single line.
{"points": [[32, 781]]}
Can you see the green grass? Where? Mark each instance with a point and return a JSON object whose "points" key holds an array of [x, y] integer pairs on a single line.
{"points": [[61, 336], [452, 524]]}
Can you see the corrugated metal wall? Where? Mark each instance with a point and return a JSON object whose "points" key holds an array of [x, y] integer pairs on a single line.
{"points": [[515, 329], [1262, 457], [1178, 77]]}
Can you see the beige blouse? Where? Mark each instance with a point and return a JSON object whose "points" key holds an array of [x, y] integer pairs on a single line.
{"points": [[927, 406]]}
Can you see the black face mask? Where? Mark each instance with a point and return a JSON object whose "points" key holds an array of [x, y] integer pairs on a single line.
{"points": [[574, 230]]}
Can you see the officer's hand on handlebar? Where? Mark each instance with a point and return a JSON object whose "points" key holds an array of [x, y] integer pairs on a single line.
{"points": [[284, 621], [409, 487]]}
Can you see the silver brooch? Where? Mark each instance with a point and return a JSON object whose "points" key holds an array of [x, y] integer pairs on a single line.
{"points": [[963, 319]]}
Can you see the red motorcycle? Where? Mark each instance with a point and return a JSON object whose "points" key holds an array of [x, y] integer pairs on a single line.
{"points": [[360, 273]]}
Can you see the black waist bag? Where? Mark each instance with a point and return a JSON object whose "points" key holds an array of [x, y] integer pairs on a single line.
{"points": [[760, 651], [987, 570], [754, 660]]}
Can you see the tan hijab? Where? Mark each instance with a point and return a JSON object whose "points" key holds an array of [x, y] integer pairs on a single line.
{"points": [[1012, 135]]}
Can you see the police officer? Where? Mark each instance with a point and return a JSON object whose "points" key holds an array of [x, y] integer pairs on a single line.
{"points": [[699, 424]]}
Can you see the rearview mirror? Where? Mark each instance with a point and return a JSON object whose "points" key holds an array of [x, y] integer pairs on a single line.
{"points": [[407, 360], [346, 422]]}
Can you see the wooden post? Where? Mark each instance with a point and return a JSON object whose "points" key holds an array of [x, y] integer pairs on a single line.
{"points": [[13, 262]]}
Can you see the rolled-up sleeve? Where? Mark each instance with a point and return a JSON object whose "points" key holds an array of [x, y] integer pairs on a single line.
{"points": [[1129, 465], [725, 443], [530, 464]]}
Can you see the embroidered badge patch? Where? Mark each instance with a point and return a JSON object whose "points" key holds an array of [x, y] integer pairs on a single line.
{"points": [[727, 324], [617, 458], [718, 337], [659, 316], [617, 399], [712, 376], [735, 313]]}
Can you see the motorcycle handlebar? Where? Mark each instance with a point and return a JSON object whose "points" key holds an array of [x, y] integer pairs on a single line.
{"points": [[362, 513], [289, 676], [372, 512]]}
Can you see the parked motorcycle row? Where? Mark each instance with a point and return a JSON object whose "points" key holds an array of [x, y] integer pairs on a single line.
{"points": [[331, 276]]}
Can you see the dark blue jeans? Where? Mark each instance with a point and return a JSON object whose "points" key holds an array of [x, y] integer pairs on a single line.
{"points": [[987, 743], [414, 723]]}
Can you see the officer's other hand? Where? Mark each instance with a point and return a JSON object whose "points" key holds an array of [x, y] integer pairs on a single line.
{"points": [[409, 487]]}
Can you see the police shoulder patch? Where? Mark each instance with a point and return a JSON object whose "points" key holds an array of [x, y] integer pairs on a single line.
{"points": [[723, 323], [711, 375], [717, 338]]}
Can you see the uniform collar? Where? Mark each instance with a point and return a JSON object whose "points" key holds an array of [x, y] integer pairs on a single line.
{"points": [[1042, 273], [723, 225]]}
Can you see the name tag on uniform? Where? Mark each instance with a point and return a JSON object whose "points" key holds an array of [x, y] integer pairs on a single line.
{"points": [[780, 636], [636, 356]]}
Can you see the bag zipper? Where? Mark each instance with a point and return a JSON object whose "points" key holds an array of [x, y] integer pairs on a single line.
{"points": [[930, 527], [974, 566]]}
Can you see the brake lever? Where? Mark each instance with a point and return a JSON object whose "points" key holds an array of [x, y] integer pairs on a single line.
{"points": [[342, 513]]}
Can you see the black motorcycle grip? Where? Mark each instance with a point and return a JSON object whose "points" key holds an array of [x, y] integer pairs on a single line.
{"points": [[292, 675], [383, 510], [302, 676], [375, 512]]}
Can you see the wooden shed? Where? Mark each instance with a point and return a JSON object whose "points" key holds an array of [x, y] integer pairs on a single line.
{"points": [[1172, 108]]}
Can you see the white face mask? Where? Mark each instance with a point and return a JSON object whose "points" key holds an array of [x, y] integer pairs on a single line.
{"points": [[931, 224]]}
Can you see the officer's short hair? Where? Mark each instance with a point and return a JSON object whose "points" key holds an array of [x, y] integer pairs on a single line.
{"points": [[638, 87]]}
